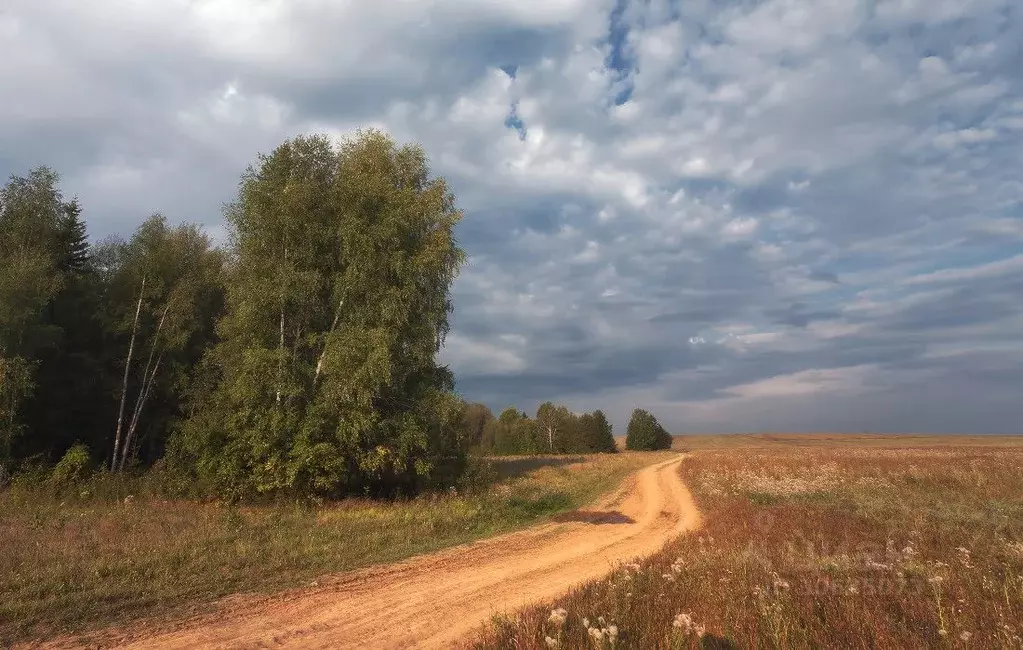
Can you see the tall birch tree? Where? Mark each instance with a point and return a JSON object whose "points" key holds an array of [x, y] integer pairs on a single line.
{"points": [[326, 375]]}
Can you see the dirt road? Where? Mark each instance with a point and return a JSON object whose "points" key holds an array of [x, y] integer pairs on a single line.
{"points": [[432, 601]]}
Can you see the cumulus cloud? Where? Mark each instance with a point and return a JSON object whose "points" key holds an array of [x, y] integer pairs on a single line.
{"points": [[780, 215]]}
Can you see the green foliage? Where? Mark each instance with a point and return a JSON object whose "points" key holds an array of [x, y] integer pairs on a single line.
{"points": [[514, 433], [178, 277], [475, 419], [73, 254], [32, 212], [645, 433], [596, 433], [73, 468], [15, 387], [554, 430], [325, 380]]}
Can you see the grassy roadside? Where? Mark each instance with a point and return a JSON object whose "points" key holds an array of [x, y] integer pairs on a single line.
{"points": [[817, 545], [71, 564]]}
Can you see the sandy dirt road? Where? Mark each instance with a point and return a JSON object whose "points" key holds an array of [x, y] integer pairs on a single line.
{"points": [[432, 601]]}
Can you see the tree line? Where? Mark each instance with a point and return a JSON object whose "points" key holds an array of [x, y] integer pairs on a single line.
{"points": [[556, 430], [300, 357]]}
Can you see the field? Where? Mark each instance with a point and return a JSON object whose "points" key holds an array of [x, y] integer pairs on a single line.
{"points": [[110, 553], [819, 541]]}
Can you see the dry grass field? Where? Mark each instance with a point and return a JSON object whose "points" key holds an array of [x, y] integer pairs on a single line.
{"points": [[113, 552], [812, 542]]}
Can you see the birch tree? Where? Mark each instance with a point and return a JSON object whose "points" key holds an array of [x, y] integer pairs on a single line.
{"points": [[327, 381], [30, 213], [164, 296]]}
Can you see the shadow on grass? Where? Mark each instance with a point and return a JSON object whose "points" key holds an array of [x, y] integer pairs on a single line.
{"points": [[517, 466], [596, 517], [715, 642]]}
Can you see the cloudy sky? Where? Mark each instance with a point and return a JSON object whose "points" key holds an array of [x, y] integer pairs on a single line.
{"points": [[744, 216]]}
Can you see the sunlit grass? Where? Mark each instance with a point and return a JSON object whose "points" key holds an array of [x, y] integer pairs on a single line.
{"points": [[71, 562], [819, 546]]}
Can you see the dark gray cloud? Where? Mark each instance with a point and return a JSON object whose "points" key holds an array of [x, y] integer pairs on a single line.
{"points": [[766, 216]]}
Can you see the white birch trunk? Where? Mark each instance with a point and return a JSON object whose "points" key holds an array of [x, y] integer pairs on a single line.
{"points": [[144, 395], [323, 353], [147, 382], [124, 383], [280, 345]]}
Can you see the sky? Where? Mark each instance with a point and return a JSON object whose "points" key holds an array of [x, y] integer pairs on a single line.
{"points": [[785, 215]]}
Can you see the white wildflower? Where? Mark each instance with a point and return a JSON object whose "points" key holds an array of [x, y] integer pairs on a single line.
{"points": [[687, 625], [943, 632], [558, 616], [965, 636], [551, 643]]}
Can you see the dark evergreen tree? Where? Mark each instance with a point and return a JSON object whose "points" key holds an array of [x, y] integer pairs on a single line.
{"points": [[600, 436], [645, 433]]}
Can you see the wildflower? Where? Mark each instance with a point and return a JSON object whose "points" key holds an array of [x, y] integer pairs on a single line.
{"points": [[558, 616], [965, 636], [551, 643], [601, 621], [668, 577], [586, 623], [943, 632], [612, 632], [936, 580], [686, 624]]}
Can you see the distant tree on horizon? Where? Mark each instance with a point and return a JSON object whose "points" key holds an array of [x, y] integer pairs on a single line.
{"points": [[645, 433]]}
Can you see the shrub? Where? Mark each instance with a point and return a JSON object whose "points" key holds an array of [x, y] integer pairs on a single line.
{"points": [[74, 467]]}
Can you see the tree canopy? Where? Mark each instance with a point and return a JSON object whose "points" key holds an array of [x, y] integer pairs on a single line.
{"points": [[299, 358], [324, 378], [554, 430], [645, 433]]}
